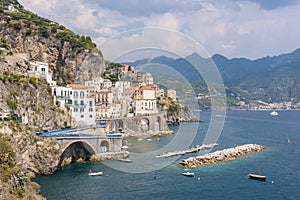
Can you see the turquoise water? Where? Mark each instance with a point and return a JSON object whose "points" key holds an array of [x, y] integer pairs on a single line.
{"points": [[228, 180]]}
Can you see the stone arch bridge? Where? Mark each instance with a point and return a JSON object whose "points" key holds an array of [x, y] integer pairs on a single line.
{"points": [[93, 144]]}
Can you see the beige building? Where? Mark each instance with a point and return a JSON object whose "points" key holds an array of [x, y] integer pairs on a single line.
{"points": [[103, 102], [160, 93], [144, 101], [171, 94]]}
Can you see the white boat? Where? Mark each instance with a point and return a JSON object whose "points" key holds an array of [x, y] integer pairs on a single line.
{"points": [[191, 174], [274, 113], [95, 173], [125, 160], [257, 176], [124, 147]]}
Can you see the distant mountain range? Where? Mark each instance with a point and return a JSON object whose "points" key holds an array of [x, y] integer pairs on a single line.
{"points": [[271, 79]]}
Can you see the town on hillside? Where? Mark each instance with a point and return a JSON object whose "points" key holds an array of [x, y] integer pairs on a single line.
{"points": [[105, 99]]}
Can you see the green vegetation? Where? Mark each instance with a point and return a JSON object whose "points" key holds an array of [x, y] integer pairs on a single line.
{"points": [[4, 43], [34, 81], [172, 107], [45, 28], [7, 153], [10, 172]]}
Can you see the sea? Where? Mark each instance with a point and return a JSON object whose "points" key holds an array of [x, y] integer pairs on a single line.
{"points": [[280, 162]]}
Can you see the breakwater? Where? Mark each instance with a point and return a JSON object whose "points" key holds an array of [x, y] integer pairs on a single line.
{"points": [[221, 155], [191, 150]]}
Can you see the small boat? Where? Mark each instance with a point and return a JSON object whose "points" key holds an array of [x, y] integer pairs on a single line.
{"points": [[95, 173], [274, 113], [257, 176], [125, 160], [124, 147], [190, 174]]}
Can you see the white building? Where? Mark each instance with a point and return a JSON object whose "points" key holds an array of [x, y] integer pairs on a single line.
{"points": [[148, 79], [119, 90], [63, 95], [75, 96], [144, 101], [42, 69], [103, 83]]}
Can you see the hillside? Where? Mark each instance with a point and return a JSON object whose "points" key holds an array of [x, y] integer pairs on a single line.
{"points": [[26, 104], [270, 79], [71, 57]]}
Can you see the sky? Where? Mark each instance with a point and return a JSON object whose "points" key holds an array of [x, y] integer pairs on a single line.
{"points": [[233, 28]]}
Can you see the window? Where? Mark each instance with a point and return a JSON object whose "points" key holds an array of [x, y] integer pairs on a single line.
{"points": [[82, 103], [75, 109], [81, 109], [91, 116], [75, 94], [82, 116], [91, 103], [81, 94], [91, 109], [76, 103]]}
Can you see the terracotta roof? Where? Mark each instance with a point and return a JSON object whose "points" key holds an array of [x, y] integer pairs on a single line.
{"points": [[147, 87], [75, 86]]}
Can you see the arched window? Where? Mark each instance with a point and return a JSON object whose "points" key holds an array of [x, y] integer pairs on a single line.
{"points": [[81, 94], [75, 94]]}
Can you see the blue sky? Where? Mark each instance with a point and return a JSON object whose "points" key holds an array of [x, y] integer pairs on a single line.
{"points": [[234, 28]]}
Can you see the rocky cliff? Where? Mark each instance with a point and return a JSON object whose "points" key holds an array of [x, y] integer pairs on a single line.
{"points": [[26, 97], [26, 100], [182, 115], [71, 57]]}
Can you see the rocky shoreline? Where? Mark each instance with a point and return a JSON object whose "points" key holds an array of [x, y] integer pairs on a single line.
{"points": [[221, 155]]}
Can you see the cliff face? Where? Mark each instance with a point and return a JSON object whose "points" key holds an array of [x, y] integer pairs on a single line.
{"points": [[30, 97], [71, 57], [27, 99], [183, 115]]}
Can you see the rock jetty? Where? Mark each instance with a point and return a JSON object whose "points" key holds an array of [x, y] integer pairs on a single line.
{"points": [[222, 155], [191, 150]]}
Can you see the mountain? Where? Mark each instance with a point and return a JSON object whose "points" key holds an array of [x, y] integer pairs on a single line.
{"points": [[71, 57], [271, 79]]}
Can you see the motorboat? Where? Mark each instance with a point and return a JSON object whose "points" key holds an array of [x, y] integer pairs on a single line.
{"points": [[190, 174], [274, 113], [257, 176], [95, 173]]}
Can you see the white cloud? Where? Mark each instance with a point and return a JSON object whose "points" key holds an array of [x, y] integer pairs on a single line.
{"points": [[233, 28]]}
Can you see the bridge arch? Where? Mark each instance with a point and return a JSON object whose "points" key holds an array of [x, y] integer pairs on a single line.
{"points": [[88, 146], [144, 124]]}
